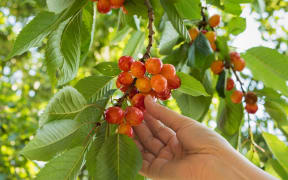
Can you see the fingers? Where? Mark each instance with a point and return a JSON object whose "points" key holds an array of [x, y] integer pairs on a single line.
{"points": [[147, 139], [158, 129], [165, 115]]}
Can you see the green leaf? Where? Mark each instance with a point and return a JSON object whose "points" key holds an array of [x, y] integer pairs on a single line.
{"points": [[58, 6], [230, 6], [221, 43], [135, 44], [200, 53], [191, 86], [191, 106], [278, 148], [65, 104], [33, 33], [269, 66], [221, 84], [63, 51], [52, 139], [168, 39], [91, 85], [176, 20], [184, 8], [229, 116], [120, 35], [108, 68], [118, 159], [273, 167], [236, 25], [64, 167], [177, 57], [136, 7]]}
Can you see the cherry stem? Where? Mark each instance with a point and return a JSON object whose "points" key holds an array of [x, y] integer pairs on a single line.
{"points": [[203, 22], [238, 79], [151, 31]]}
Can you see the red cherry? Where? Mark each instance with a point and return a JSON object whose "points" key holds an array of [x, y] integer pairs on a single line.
{"points": [[217, 67], [234, 55], [168, 71], [153, 65], [164, 95], [239, 64], [116, 3], [251, 98], [103, 6], [114, 115], [125, 78], [133, 92], [125, 63], [138, 101], [125, 129], [251, 108], [204, 31], [229, 84], [159, 83], [214, 20], [134, 116], [237, 96], [174, 83], [138, 69]]}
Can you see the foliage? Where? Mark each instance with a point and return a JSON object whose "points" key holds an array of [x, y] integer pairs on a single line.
{"points": [[59, 77]]}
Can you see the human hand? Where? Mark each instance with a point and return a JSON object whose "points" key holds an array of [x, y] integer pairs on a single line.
{"points": [[179, 148]]}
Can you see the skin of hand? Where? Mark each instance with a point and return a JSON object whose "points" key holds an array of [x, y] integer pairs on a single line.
{"points": [[175, 147]]}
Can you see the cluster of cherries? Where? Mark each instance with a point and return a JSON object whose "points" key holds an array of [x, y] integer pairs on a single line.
{"points": [[137, 80], [238, 64], [213, 22], [104, 6]]}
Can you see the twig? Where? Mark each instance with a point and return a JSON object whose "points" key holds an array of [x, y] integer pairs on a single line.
{"points": [[203, 23], [239, 80], [151, 31]]}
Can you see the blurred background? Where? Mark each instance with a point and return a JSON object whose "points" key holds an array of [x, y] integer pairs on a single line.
{"points": [[25, 87]]}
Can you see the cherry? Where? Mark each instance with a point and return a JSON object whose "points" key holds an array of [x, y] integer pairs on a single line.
{"points": [[217, 67], [103, 6], [211, 36], [174, 83], [133, 92], [134, 116], [125, 129], [153, 65], [194, 31], [159, 83], [124, 88], [168, 71], [143, 84], [125, 63], [251, 108], [114, 115], [234, 55], [204, 31], [116, 3], [138, 101], [138, 69], [118, 84], [250, 98], [213, 46], [229, 84], [125, 78], [164, 95], [214, 20], [125, 11], [239, 64], [236, 97]]}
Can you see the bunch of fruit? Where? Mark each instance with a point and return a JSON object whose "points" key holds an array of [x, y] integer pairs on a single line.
{"points": [[237, 64], [104, 6], [213, 22], [137, 80]]}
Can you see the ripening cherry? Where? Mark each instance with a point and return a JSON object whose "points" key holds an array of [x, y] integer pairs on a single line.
{"points": [[133, 92], [164, 95], [174, 83], [124, 88], [217, 67], [213, 46], [138, 69], [125, 78], [118, 84], [214, 20], [194, 31], [237, 96], [159, 83], [204, 31], [234, 55], [103, 6], [125, 129], [125, 63], [114, 115], [168, 71], [116, 3], [138, 101], [134, 116], [239, 64], [143, 85], [153, 65], [251, 98], [211, 36], [251, 108], [229, 84]]}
